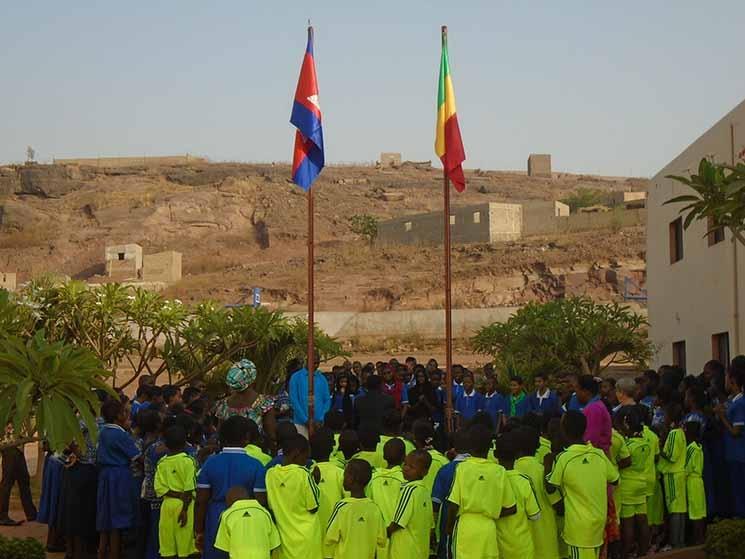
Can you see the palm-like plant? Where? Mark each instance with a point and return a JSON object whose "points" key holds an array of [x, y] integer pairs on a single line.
{"points": [[46, 389], [719, 197]]}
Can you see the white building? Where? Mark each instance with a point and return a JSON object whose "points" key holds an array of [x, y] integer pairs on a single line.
{"points": [[695, 284]]}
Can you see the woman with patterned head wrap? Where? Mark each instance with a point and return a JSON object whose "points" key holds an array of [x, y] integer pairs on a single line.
{"points": [[245, 401]]}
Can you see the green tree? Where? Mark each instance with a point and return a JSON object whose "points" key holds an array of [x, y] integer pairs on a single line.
{"points": [[46, 388], [365, 225], [566, 335], [718, 197], [585, 198]]}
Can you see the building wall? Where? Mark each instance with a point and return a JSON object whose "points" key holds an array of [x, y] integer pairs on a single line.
{"points": [[162, 267], [8, 281], [144, 161], [390, 159], [129, 267], [482, 223], [694, 298], [539, 165], [539, 217]]}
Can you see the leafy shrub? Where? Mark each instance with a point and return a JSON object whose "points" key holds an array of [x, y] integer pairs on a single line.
{"points": [[586, 198], [724, 539], [17, 548], [364, 225]]}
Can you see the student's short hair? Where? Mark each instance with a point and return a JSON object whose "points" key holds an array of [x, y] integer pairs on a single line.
{"points": [[480, 438], [632, 417], [692, 429], [236, 493], [321, 444], [737, 370], [507, 446], [627, 386], [517, 378], [462, 441], [574, 423], [369, 439], [349, 443], [611, 381], [360, 471], [674, 412], [423, 431], [253, 431], [148, 421], [528, 439], [334, 420], [234, 431], [111, 410], [374, 382], [715, 366], [155, 391], [411, 359], [698, 395], [395, 450], [422, 458], [539, 374], [142, 390], [175, 437], [285, 430], [482, 418], [296, 444], [392, 422], [190, 394], [144, 379], [198, 407], [588, 382], [169, 391]]}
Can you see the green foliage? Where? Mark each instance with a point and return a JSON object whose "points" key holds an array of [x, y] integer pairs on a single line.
{"points": [[585, 198], [724, 539], [45, 386], [567, 335], [364, 225], [718, 195], [21, 548], [17, 317]]}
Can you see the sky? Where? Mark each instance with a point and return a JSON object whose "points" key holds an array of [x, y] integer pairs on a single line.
{"points": [[612, 88]]}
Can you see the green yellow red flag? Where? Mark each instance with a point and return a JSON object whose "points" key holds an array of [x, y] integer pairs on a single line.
{"points": [[448, 143]]}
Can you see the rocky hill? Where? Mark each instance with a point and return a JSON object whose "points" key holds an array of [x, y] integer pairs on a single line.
{"points": [[240, 226]]}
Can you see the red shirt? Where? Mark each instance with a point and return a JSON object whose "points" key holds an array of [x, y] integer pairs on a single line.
{"points": [[396, 390]]}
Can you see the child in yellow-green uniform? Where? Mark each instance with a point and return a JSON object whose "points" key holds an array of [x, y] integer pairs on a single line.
{"points": [[392, 430], [582, 474], [329, 476], [252, 448], [481, 494], [356, 529], [672, 466], [176, 483], [369, 443], [409, 531], [514, 532], [620, 458], [632, 486], [653, 493], [424, 436], [246, 529], [385, 485], [294, 499], [695, 493], [544, 529]]}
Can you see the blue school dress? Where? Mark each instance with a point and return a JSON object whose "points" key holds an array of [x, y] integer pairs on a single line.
{"points": [[468, 405], [496, 406], [115, 503], [548, 404], [51, 486], [220, 472], [734, 454]]}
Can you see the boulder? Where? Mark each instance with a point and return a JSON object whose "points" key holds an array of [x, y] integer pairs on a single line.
{"points": [[49, 181]]}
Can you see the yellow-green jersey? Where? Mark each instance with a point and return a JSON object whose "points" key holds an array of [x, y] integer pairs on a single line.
{"points": [[673, 454], [414, 515], [371, 457], [438, 461], [544, 530], [654, 451], [331, 490], [582, 474], [177, 472], [255, 452], [247, 531], [337, 456], [294, 498], [618, 449], [355, 530], [514, 534], [384, 489], [408, 446], [544, 449], [480, 490], [695, 493], [632, 487]]}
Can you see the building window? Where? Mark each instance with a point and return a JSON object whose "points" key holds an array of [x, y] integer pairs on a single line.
{"points": [[720, 347], [679, 354], [452, 220], [716, 234], [676, 240], [477, 217], [407, 226], [121, 256]]}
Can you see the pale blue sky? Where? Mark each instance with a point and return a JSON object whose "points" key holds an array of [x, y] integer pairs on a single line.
{"points": [[605, 87]]}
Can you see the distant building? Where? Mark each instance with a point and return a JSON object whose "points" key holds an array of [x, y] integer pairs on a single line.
{"points": [[124, 262], [695, 282], [629, 199], [162, 267], [390, 159], [539, 165]]}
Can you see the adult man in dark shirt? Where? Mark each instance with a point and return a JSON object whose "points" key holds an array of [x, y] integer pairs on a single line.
{"points": [[372, 408]]}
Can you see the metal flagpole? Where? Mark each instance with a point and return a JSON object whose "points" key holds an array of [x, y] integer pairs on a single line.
{"points": [[311, 312], [448, 305]]}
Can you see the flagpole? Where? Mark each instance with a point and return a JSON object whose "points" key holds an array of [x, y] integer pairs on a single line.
{"points": [[311, 364], [448, 309]]}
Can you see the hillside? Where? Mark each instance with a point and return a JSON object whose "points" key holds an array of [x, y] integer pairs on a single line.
{"points": [[241, 225]]}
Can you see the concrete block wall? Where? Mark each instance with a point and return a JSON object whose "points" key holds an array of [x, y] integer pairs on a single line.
{"points": [[145, 161], [390, 159], [162, 267], [539, 165], [124, 261]]}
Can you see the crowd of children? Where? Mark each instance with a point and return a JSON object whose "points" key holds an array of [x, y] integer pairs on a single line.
{"points": [[622, 469]]}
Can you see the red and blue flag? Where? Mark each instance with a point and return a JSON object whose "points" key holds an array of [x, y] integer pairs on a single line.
{"points": [[308, 159]]}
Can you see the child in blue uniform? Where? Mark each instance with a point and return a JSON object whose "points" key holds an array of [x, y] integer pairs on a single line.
{"points": [[231, 467], [469, 401], [494, 403], [115, 505]]}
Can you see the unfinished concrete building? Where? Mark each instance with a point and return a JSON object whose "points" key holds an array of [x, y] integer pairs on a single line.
{"points": [[162, 267], [124, 262], [539, 165], [390, 159]]}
